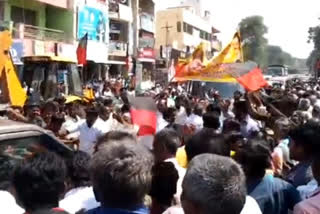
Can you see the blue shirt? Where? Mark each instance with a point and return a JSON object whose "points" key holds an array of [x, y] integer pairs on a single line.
{"points": [[273, 195], [104, 210], [301, 174]]}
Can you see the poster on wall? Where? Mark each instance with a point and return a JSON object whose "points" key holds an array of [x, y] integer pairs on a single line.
{"points": [[95, 22], [16, 52]]}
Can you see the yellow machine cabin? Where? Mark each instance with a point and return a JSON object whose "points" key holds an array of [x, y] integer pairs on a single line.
{"points": [[51, 76]]}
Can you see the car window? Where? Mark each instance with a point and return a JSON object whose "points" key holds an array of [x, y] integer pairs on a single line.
{"points": [[52, 145], [21, 148], [14, 150]]}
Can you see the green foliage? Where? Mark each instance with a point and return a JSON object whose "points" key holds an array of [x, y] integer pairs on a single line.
{"points": [[277, 56], [255, 45], [252, 31], [314, 37]]}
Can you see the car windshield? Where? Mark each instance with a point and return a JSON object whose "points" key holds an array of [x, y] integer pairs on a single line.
{"points": [[275, 71]]}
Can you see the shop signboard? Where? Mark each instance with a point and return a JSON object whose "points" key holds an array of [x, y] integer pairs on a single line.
{"points": [[28, 47], [97, 52], [125, 13], [67, 50], [147, 53], [118, 48], [38, 48], [50, 48], [147, 22], [95, 22]]}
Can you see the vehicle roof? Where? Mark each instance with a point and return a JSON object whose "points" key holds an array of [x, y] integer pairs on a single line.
{"points": [[48, 59], [9, 126]]}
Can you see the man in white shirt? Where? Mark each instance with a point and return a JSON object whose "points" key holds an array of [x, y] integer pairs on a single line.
{"points": [[181, 116], [90, 130], [9, 205], [161, 122], [248, 126], [250, 207], [81, 196], [195, 118]]}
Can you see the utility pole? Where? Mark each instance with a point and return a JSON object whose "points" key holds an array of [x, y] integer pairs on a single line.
{"points": [[135, 26], [167, 28]]}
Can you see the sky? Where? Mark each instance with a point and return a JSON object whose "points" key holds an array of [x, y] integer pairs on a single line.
{"points": [[288, 21]]}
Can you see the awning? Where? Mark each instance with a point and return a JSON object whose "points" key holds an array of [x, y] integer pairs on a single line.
{"points": [[116, 62], [146, 60]]}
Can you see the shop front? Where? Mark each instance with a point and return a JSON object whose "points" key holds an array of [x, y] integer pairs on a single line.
{"points": [[146, 56]]}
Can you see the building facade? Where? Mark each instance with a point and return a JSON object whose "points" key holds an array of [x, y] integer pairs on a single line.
{"points": [[39, 27], [180, 30], [121, 18], [146, 55]]}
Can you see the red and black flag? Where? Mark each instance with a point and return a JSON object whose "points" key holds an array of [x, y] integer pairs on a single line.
{"points": [[82, 50], [248, 74], [144, 114]]}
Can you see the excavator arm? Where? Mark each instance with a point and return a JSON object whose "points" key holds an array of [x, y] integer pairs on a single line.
{"points": [[9, 81]]}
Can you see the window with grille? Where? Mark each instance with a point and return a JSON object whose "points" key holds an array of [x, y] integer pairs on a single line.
{"points": [[22, 15]]}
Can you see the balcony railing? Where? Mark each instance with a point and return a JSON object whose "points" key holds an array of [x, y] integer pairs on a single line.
{"points": [[40, 33]]}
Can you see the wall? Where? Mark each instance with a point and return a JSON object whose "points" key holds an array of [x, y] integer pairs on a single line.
{"points": [[2, 5], [196, 21], [179, 40], [31, 5], [57, 3], [170, 17], [60, 19]]}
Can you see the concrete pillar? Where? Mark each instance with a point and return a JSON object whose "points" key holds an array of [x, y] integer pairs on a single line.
{"points": [[136, 26]]}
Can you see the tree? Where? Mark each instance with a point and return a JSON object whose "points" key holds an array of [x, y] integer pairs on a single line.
{"points": [[252, 31], [277, 56], [274, 55], [314, 37]]}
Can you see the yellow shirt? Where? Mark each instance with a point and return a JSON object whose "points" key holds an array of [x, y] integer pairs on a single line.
{"points": [[181, 157]]}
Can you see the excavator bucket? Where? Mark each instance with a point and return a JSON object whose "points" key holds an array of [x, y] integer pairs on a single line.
{"points": [[11, 89]]}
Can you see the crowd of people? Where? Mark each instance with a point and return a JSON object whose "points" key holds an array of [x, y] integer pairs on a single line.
{"points": [[255, 153]]}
